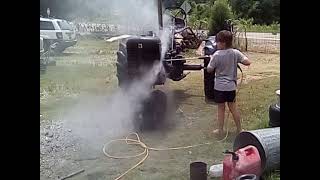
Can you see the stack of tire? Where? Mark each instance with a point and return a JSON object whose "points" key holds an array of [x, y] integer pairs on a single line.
{"points": [[274, 113]]}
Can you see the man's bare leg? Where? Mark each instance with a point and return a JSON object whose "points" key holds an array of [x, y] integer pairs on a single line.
{"points": [[236, 115], [221, 112]]}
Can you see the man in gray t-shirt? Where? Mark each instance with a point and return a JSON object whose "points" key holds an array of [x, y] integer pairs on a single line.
{"points": [[224, 62]]}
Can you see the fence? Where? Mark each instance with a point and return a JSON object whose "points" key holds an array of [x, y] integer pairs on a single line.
{"points": [[108, 30], [258, 42], [250, 41]]}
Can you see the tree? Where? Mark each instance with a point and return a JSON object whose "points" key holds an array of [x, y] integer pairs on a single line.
{"points": [[276, 10], [262, 11], [244, 24], [242, 7], [220, 12], [199, 15]]}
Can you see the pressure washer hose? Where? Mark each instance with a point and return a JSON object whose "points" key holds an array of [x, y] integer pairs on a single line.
{"points": [[145, 152], [138, 142]]}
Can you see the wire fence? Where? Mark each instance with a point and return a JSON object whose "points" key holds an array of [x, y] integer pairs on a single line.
{"points": [[258, 42], [249, 41]]}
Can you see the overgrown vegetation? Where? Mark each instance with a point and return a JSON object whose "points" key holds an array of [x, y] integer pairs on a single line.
{"points": [[247, 25], [262, 15], [273, 28], [199, 16]]}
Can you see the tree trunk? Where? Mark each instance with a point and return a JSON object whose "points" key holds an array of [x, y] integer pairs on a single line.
{"points": [[245, 36]]}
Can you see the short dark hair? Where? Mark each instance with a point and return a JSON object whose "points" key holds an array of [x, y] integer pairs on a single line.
{"points": [[225, 37]]}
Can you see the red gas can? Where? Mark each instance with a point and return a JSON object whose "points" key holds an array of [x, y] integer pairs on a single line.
{"points": [[243, 161]]}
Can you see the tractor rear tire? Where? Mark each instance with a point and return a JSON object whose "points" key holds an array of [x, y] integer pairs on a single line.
{"points": [[208, 83], [154, 111]]}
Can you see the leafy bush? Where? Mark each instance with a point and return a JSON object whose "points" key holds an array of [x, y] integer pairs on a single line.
{"points": [[220, 12]]}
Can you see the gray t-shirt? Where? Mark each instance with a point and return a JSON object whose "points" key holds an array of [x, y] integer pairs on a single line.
{"points": [[225, 64]]}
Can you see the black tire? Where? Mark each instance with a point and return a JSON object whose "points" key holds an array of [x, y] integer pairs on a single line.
{"points": [[208, 82], [46, 44], [154, 111], [122, 65], [274, 116]]}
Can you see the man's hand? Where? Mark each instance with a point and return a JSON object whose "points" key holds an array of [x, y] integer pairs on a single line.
{"points": [[204, 68], [246, 62], [209, 69]]}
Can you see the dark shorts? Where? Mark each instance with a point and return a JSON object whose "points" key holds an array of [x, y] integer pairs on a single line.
{"points": [[224, 96]]}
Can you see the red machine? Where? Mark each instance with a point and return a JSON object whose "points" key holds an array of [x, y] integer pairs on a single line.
{"points": [[243, 161]]}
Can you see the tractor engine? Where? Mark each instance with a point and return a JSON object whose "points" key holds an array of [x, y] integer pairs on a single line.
{"points": [[143, 53], [136, 56]]}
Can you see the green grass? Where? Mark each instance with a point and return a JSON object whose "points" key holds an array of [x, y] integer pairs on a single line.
{"points": [[87, 68], [254, 100], [272, 176], [273, 28]]}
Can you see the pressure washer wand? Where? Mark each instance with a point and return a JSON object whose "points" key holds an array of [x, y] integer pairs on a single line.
{"points": [[191, 58]]}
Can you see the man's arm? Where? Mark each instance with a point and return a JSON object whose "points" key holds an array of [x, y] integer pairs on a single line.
{"points": [[245, 61], [241, 58], [209, 69]]}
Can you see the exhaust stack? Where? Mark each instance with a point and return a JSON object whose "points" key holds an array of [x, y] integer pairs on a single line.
{"points": [[160, 20]]}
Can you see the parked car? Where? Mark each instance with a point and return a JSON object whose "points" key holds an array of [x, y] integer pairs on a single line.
{"points": [[57, 31]]}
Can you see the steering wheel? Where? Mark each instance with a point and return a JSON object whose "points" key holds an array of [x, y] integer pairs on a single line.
{"points": [[176, 12]]}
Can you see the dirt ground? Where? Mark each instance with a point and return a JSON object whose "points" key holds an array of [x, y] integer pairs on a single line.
{"points": [[89, 68]]}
